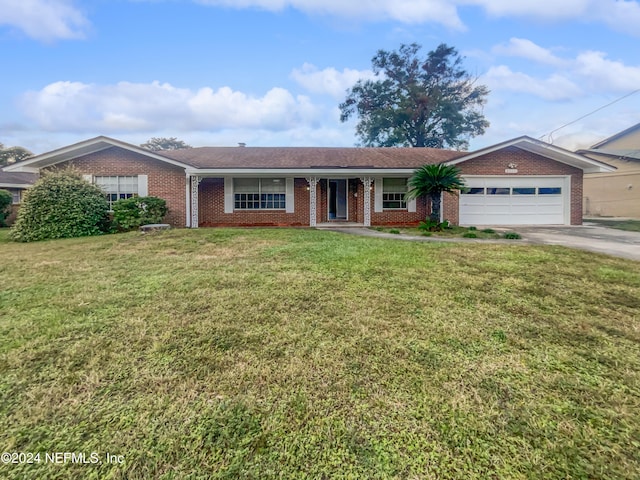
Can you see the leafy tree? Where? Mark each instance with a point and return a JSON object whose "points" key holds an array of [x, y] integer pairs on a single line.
{"points": [[13, 154], [5, 203], [60, 205], [157, 144], [417, 102], [430, 181]]}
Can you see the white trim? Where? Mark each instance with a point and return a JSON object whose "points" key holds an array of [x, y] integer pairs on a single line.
{"points": [[228, 195], [290, 195], [23, 186], [412, 206], [21, 169]]}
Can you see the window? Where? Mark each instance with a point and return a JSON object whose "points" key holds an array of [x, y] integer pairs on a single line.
{"points": [[549, 191], [474, 191], [498, 191], [524, 190], [15, 195], [393, 191], [118, 187], [259, 193]]}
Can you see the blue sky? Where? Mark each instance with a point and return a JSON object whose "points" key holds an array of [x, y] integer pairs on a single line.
{"points": [[272, 72]]}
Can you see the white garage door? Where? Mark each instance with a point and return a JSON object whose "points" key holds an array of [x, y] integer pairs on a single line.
{"points": [[515, 201]]}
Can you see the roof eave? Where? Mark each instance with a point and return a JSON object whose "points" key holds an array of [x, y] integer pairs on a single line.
{"points": [[616, 136], [300, 172], [588, 165], [93, 145]]}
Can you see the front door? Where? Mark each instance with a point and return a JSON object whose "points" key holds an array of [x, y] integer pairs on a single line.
{"points": [[337, 200]]}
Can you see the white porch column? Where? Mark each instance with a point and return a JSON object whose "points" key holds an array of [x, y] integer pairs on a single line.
{"points": [[313, 200], [367, 181], [195, 181], [187, 202]]}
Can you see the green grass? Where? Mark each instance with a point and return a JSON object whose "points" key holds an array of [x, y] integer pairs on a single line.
{"points": [[454, 231], [628, 225], [284, 353]]}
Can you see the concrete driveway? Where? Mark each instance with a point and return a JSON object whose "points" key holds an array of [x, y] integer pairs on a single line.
{"points": [[594, 238]]}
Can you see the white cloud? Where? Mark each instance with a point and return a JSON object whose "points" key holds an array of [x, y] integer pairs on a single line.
{"points": [[44, 19], [405, 11], [79, 107], [329, 81], [535, 8], [607, 75], [523, 48], [622, 15], [589, 72], [554, 87]]}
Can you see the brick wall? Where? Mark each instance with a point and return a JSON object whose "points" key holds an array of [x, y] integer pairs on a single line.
{"points": [[211, 211], [166, 181], [528, 163]]}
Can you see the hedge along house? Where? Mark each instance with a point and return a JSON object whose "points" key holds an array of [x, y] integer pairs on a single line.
{"points": [[521, 181]]}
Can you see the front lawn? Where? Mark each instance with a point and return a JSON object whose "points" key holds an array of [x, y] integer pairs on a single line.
{"points": [[296, 353]]}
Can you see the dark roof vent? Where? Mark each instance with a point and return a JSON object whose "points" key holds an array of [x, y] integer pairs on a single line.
{"points": [[242, 144]]}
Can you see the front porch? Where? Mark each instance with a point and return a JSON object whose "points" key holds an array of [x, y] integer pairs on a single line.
{"points": [[335, 200]]}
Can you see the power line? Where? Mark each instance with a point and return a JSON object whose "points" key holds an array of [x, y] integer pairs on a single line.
{"points": [[550, 134]]}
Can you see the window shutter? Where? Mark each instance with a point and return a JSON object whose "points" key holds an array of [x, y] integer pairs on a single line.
{"points": [[88, 178], [143, 185], [377, 189], [290, 195], [228, 195]]}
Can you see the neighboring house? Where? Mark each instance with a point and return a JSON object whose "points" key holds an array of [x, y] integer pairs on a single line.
{"points": [[16, 183], [521, 181], [615, 194]]}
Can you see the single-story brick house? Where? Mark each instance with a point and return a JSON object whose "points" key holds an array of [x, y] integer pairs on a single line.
{"points": [[16, 183], [520, 181]]}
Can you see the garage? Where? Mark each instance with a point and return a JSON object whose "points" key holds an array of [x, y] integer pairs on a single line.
{"points": [[521, 200]]}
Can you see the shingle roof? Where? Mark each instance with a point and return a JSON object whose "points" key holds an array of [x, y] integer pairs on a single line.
{"points": [[309, 157], [17, 178]]}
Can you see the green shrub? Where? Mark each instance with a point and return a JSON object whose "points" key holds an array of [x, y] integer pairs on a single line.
{"points": [[133, 212], [430, 226], [488, 230], [395, 231], [512, 236], [61, 205], [470, 235], [5, 206], [473, 228]]}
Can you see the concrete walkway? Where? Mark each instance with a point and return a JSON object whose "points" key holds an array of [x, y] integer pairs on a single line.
{"points": [[593, 238]]}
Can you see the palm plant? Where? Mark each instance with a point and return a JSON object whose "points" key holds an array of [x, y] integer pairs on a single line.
{"points": [[430, 181]]}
